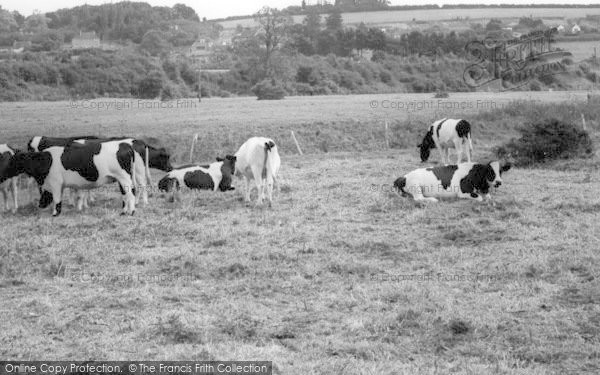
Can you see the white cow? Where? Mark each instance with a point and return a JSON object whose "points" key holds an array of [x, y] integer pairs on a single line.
{"points": [[258, 160], [6, 153], [445, 134]]}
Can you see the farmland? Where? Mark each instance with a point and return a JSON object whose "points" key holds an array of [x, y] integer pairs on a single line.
{"points": [[341, 276], [432, 15]]}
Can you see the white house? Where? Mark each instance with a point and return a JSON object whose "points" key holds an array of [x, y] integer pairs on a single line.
{"points": [[576, 29]]}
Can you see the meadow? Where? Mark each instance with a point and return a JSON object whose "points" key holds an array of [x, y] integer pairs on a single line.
{"points": [[341, 276], [431, 15]]}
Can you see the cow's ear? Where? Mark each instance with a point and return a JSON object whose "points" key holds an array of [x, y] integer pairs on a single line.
{"points": [[419, 145], [505, 167], [220, 159]]}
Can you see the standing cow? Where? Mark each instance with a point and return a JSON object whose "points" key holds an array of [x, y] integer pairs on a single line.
{"points": [[146, 157], [6, 154], [445, 134], [465, 180], [216, 176], [258, 160], [81, 167]]}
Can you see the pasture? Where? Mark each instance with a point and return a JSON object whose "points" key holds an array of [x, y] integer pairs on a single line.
{"points": [[392, 17], [341, 276]]}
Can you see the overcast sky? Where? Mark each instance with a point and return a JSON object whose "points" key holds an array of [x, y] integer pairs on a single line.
{"points": [[224, 8]]}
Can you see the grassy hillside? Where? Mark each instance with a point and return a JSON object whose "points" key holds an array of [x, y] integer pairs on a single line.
{"points": [[342, 276]]}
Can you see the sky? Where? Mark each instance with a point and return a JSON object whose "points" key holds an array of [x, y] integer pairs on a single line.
{"points": [[224, 8]]}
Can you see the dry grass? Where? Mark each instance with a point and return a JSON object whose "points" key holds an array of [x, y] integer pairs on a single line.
{"points": [[342, 276]]}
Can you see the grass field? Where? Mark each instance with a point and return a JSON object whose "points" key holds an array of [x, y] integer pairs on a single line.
{"points": [[341, 276], [401, 16]]}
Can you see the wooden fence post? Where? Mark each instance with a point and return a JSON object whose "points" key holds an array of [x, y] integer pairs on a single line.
{"points": [[296, 142], [192, 146]]}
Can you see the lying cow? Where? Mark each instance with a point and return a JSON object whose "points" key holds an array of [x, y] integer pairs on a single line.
{"points": [[216, 176], [445, 134], [258, 160], [465, 180], [6, 154], [82, 167]]}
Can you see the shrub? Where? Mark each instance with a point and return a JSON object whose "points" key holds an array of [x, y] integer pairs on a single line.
{"points": [[546, 140], [269, 89], [150, 86], [441, 94]]}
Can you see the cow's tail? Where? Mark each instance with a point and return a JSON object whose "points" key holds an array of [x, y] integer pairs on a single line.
{"points": [[267, 168], [400, 184], [133, 179]]}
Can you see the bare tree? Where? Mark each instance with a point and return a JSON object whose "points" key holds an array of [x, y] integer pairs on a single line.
{"points": [[273, 26]]}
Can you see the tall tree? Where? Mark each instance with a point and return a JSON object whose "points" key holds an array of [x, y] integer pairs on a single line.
{"points": [[334, 21], [273, 25]]}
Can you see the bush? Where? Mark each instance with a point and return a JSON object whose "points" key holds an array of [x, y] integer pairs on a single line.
{"points": [[269, 89], [441, 94], [545, 140]]}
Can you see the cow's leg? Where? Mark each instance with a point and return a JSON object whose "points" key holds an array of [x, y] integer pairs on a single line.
{"points": [[419, 197], [248, 186], [260, 184], [471, 195], [15, 190], [5, 196], [269, 186], [57, 201], [441, 149], [467, 149]]}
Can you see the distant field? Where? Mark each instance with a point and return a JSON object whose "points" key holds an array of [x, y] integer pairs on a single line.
{"points": [[581, 50], [341, 276], [397, 16]]}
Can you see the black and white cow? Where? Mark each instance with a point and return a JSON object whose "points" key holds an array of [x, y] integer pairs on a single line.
{"points": [[146, 157], [445, 134], [465, 180], [215, 176], [81, 167], [10, 184], [258, 160]]}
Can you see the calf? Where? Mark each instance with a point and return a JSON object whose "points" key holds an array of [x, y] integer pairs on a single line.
{"points": [[215, 176], [465, 180], [445, 134], [10, 184], [82, 167], [258, 160]]}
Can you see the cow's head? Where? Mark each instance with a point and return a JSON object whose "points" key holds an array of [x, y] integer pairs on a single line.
{"points": [[160, 159], [227, 170], [494, 173], [35, 164], [426, 145]]}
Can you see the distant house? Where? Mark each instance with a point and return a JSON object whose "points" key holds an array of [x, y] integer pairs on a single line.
{"points": [[19, 47], [85, 40], [576, 29], [560, 28], [200, 50]]}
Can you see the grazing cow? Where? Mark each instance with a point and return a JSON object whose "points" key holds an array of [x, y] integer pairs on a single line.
{"points": [[81, 167], [6, 154], [445, 134], [217, 175], [465, 180], [258, 160]]}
